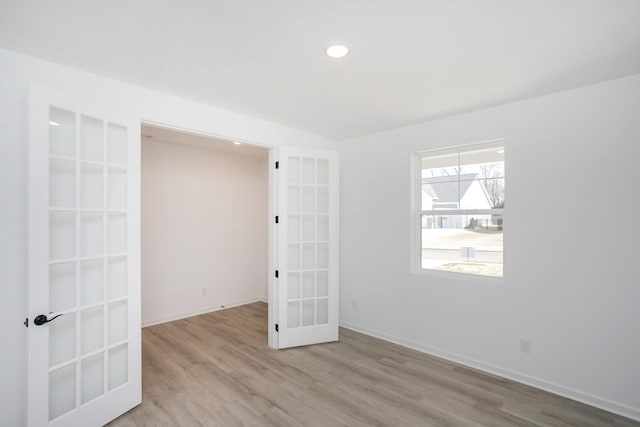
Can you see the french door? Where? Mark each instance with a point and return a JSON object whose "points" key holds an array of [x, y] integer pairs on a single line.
{"points": [[84, 355], [305, 289]]}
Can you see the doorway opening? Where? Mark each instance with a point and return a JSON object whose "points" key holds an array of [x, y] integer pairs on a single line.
{"points": [[204, 224]]}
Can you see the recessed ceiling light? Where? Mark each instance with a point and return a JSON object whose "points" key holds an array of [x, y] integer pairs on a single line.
{"points": [[237, 143], [337, 51], [52, 123]]}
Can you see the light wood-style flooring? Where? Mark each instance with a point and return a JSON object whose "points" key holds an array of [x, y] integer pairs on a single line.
{"points": [[217, 370]]}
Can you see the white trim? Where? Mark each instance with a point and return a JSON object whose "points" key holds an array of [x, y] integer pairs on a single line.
{"points": [[272, 256], [416, 211], [168, 126], [498, 211], [197, 312], [560, 390], [455, 275], [490, 143], [415, 239]]}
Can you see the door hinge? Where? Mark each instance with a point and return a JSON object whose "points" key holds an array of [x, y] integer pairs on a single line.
{"points": [[26, 322], [277, 328], [277, 165], [276, 274], [276, 219]]}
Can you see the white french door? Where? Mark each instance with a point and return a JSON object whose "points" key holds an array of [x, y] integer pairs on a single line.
{"points": [[84, 349], [305, 292]]}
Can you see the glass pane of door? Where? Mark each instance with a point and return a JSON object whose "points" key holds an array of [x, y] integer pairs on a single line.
{"points": [[308, 235], [88, 343], [307, 244]]}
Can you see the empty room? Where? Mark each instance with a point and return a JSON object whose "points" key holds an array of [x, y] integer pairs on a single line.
{"points": [[339, 213], [204, 227]]}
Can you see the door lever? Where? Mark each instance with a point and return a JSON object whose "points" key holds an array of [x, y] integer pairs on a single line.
{"points": [[41, 319]]}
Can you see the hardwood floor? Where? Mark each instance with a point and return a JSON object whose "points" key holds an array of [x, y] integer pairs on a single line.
{"points": [[217, 370]]}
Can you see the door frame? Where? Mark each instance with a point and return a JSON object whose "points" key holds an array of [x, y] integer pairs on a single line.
{"points": [[272, 240], [272, 209]]}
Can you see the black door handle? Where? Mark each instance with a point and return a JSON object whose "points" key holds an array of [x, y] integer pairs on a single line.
{"points": [[41, 319]]}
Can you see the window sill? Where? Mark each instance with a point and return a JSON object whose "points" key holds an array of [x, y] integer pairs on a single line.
{"points": [[463, 277]]}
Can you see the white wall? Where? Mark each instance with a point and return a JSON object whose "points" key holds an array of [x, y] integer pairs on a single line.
{"points": [[572, 281], [204, 226], [16, 71]]}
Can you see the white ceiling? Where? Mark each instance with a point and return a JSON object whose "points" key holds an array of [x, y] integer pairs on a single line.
{"points": [[159, 134], [410, 60]]}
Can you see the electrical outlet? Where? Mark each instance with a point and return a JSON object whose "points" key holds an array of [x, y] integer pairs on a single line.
{"points": [[525, 345], [354, 305]]}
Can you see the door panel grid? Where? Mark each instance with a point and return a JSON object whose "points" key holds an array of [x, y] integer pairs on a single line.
{"points": [[307, 241], [83, 260], [88, 344], [306, 263]]}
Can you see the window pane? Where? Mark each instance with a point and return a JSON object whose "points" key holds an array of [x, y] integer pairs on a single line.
{"points": [[474, 193], [62, 132], [91, 231], [118, 322], [91, 139], [463, 243], [92, 377], [118, 366], [470, 159], [62, 391], [117, 184], [441, 193], [468, 180], [441, 166], [117, 148], [62, 286], [92, 329], [62, 235], [91, 187], [91, 286], [117, 277], [495, 191], [486, 167], [62, 183]]}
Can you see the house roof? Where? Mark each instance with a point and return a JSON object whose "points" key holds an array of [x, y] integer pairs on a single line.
{"points": [[448, 189], [427, 188]]}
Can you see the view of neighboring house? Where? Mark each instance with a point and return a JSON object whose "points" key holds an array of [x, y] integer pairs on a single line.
{"points": [[454, 192]]}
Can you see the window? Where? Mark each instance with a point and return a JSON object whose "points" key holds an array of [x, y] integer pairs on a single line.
{"points": [[460, 209]]}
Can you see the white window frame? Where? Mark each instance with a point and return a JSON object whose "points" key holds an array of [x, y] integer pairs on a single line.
{"points": [[417, 212]]}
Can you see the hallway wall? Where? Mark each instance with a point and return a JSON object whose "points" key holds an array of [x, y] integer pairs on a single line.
{"points": [[204, 230]]}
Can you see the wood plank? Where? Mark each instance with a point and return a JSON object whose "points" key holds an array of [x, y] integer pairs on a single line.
{"points": [[217, 370]]}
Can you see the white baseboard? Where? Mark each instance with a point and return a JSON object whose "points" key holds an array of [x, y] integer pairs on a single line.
{"points": [[178, 316], [589, 399]]}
